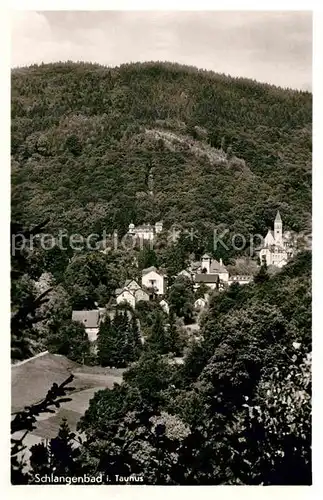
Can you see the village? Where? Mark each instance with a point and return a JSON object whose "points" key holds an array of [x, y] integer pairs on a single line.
{"points": [[208, 274]]}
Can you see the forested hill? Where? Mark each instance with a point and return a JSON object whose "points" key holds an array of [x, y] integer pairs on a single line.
{"points": [[97, 148]]}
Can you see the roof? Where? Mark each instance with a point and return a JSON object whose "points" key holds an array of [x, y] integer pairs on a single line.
{"points": [[141, 289], [278, 217], [184, 272], [121, 290], [152, 269], [206, 256], [216, 267], [125, 288], [206, 278], [90, 319], [127, 283]]}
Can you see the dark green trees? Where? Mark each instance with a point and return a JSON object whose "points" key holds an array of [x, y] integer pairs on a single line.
{"points": [[147, 257], [119, 341], [181, 299], [25, 302], [90, 278], [163, 336], [59, 457], [84, 161], [158, 339], [69, 339], [262, 274]]}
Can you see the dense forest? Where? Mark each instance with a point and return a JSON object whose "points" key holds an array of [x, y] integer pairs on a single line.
{"points": [[94, 149]]}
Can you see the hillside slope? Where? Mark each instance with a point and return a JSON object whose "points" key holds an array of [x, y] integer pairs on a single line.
{"points": [[97, 148]]}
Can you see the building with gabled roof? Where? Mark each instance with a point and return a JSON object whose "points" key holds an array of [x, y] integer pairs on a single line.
{"points": [[90, 320], [277, 249], [211, 267], [131, 293], [153, 278]]}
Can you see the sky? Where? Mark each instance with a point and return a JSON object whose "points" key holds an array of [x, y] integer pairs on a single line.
{"points": [[273, 47]]}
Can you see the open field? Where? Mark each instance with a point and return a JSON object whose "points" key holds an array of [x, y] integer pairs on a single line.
{"points": [[30, 382]]}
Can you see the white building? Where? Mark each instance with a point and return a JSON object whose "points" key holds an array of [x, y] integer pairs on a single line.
{"points": [[145, 231], [164, 305], [200, 304], [152, 278], [211, 266], [277, 245], [241, 279], [210, 272], [131, 293]]}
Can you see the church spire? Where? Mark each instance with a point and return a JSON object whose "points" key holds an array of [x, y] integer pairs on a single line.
{"points": [[278, 217], [278, 229]]}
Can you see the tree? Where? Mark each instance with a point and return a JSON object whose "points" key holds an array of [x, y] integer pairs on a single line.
{"points": [[202, 290], [262, 274], [174, 258], [134, 340], [109, 345], [119, 340], [176, 343], [274, 430], [181, 299], [90, 278], [145, 311], [158, 340], [25, 302], [58, 457], [73, 145], [147, 257], [69, 339]]}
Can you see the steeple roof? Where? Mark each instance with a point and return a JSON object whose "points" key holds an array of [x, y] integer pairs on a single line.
{"points": [[278, 217]]}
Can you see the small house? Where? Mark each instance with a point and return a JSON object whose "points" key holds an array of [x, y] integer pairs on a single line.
{"points": [[152, 278], [90, 320]]}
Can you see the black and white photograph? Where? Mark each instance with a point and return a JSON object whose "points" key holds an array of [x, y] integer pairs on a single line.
{"points": [[161, 248]]}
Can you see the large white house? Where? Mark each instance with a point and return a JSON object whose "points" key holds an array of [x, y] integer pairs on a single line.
{"points": [[277, 247], [145, 231], [152, 278]]}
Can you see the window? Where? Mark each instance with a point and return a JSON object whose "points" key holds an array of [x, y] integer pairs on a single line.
{"points": [[152, 282]]}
